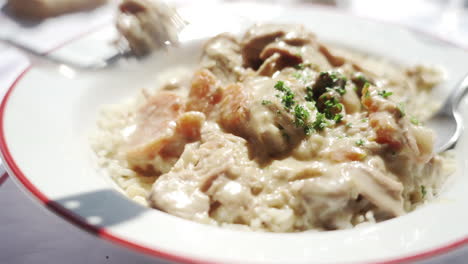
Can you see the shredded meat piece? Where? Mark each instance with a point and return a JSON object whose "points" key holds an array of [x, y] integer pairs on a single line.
{"points": [[148, 25]]}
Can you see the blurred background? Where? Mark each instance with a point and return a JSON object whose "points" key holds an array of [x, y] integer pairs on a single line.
{"points": [[30, 234]]}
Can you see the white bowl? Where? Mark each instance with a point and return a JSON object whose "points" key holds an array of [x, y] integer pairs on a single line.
{"points": [[47, 115]]}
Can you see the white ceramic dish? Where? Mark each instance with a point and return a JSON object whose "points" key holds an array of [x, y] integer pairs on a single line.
{"points": [[47, 114]]}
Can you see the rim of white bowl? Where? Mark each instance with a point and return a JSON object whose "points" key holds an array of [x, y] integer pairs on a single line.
{"points": [[101, 232]]}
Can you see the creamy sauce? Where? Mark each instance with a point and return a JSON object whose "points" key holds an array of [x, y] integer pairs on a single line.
{"points": [[279, 132]]}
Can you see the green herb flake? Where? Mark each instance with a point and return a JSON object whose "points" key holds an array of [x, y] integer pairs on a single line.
{"points": [[320, 122], [401, 109], [280, 86], [287, 99], [310, 105], [297, 75], [266, 102], [348, 125], [341, 91], [364, 120], [301, 116], [367, 94], [300, 66], [423, 191], [362, 79], [337, 118], [384, 93], [360, 142], [415, 121]]}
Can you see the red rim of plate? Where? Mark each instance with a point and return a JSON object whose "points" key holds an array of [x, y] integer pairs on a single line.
{"points": [[103, 233], [3, 178]]}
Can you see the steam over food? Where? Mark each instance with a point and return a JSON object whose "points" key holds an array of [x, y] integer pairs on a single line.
{"points": [[279, 132]]}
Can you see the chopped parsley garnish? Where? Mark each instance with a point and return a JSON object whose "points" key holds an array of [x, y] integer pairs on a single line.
{"points": [[349, 125], [362, 78], [360, 142], [341, 91], [287, 99], [423, 191], [280, 86], [297, 75], [366, 87], [334, 76], [310, 105], [320, 121], [337, 118], [414, 120], [301, 115], [364, 120], [332, 108], [300, 66], [401, 109], [384, 93], [266, 102]]}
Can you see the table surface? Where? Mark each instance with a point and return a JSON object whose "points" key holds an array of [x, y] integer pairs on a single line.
{"points": [[31, 234]]}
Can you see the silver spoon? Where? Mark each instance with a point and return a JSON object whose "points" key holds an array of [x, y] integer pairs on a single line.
{"points": [[448, 122]]}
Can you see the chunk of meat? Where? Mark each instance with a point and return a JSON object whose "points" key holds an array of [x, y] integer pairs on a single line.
{"points": [[188, 127], [205, 92], [155, 125], [394, 128], [194, 183], [271, 65], [344, 151], [381, 190], [375, 103], [39, 9], [425, 77], [269, 127], [162, 130], [148, 25], [334, 60], [420, 141], [325, 199], [351, 101], [278, 56], [289, 54], [234, 108], [259, 36], [221, 55], [387, 130]]}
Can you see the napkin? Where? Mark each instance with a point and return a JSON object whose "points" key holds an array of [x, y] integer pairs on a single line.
{"points": [[51, 33]]}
